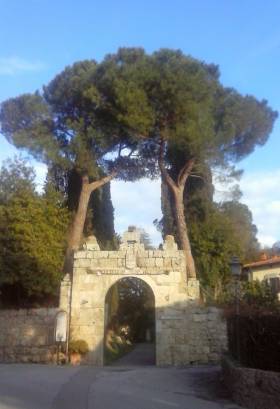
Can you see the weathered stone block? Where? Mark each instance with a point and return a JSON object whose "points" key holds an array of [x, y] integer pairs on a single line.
{"points": [[159, 262], [101, 254], [121, 262], [167, 263], [83, 262], [181, 355], [79, 255], [117, 254], [142, 253], [180, 338], [158, 253], [169, 243], [170, 254], [79, 271]]}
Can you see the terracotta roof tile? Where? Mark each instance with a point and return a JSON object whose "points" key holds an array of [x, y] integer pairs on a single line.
{"points": [[267, 262]]}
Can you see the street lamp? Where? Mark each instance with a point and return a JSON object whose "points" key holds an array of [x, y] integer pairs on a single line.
{"points": [[236, 268]]}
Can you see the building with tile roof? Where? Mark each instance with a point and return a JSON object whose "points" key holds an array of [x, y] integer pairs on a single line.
{"points": [[266, 269]]}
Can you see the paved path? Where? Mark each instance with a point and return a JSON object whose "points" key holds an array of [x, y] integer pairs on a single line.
{"points": [[158, 388], [141, 355], [32, 386], [50, 387]]}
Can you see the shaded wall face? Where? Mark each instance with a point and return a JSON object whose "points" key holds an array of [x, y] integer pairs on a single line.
{"points": [[183, 329]]}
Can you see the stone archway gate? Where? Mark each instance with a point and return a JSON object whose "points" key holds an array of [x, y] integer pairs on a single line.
{"points": [[186, 332]]}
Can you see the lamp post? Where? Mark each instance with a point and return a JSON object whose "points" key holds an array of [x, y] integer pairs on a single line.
{"points": [[236, 268]]}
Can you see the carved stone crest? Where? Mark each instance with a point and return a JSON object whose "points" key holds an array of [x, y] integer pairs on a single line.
{"points": [[130, 260]]}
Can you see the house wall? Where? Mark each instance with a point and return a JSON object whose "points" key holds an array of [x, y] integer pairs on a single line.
{"points": [[259, 273]]}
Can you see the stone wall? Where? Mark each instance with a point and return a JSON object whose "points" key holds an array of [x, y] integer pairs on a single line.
{"points": [[194, 335], [27, 335], [185, 331], [253, 388]]}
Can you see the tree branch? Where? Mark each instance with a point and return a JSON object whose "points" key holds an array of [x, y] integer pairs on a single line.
{"points": [[98, 183], [120, 150], [192, 175], [185, 172], [167, 178], [131, 152]]}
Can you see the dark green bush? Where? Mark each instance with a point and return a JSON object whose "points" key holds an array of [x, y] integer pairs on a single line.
{"points": [[254, 340]]}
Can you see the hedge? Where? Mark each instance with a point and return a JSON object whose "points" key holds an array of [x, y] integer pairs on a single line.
{"points": [[258, 340]]}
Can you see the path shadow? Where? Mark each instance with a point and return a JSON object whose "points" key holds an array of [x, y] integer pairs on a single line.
{"points": [[143, 354]]}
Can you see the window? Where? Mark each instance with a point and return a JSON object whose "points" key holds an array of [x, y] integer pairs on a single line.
{"points": [[274, 282]]}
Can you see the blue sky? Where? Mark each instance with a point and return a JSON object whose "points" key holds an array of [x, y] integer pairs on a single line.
{"points": [[40, 37]]}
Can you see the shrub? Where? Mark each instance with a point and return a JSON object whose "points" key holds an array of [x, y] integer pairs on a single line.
{"points": [[259, 293], [258, 336], [78, 346], [254, 334], [255, 297]]}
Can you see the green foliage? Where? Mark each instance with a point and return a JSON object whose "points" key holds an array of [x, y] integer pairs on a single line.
{"points": [[68, 126], [146, 240], [102, 218], [26, 122], [78, 346], [131, 302], [225, 231], [259, 294], [254, 298], [32, 240], [168, 95], [15, 177], [242, 225], [214, 243], [116, 351]]}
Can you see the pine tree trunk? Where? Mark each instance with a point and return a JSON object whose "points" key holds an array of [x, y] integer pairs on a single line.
{"points": [[177, 188], [79, 218], [76, 231], [182, 231]]}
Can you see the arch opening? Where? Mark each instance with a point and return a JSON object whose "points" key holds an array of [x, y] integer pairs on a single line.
{"points": [[129, 337]]}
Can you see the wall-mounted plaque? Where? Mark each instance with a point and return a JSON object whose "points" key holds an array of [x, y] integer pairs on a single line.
{"points": [[61, 327]]}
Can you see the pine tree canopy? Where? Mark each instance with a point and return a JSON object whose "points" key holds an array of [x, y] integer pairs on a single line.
{"points": [[168, 95], [92, 112]]}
